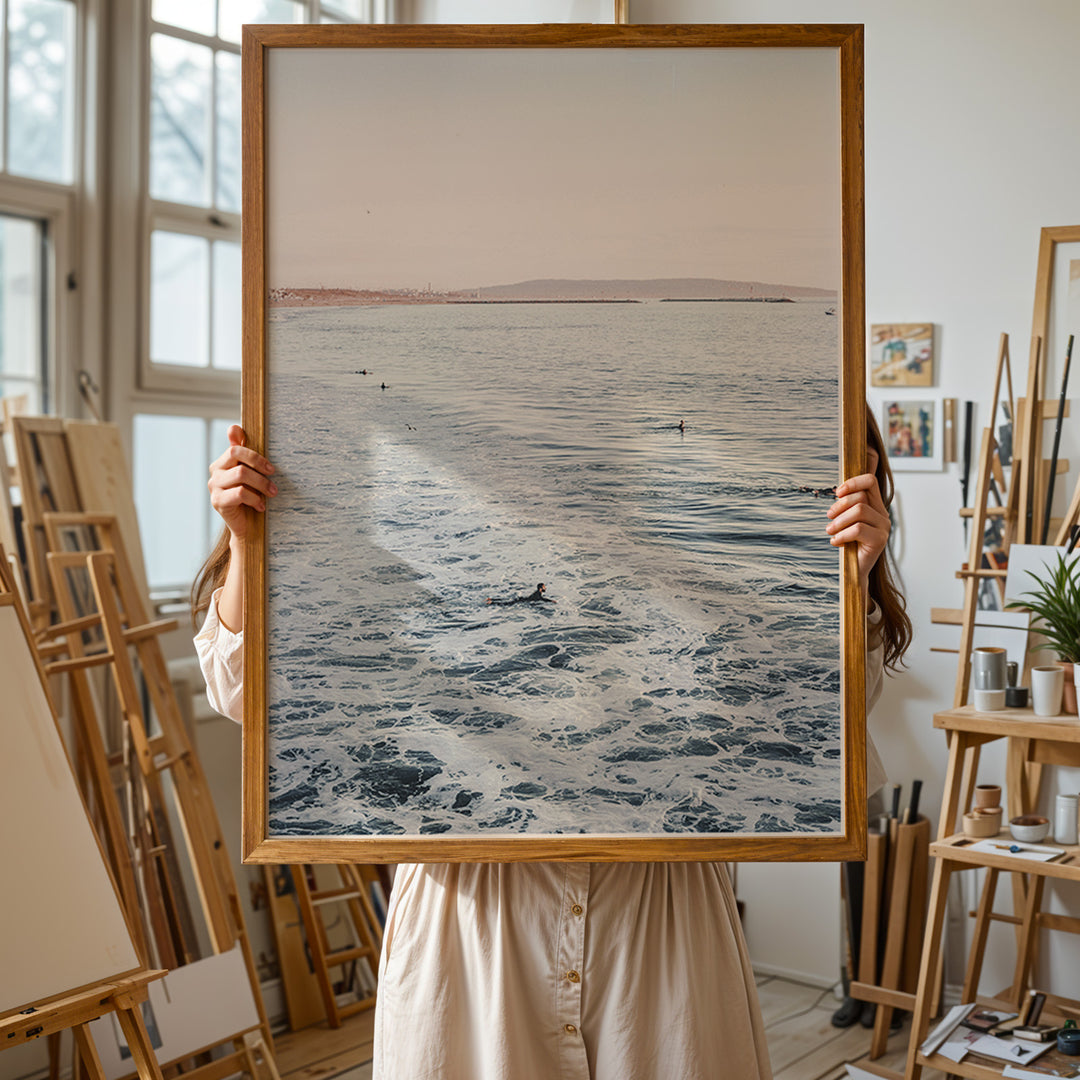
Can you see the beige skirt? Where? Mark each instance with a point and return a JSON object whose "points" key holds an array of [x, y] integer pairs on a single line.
{"points": [[566, 971]]}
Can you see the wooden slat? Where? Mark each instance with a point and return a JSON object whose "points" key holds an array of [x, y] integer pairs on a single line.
{"points": [[104, 485]]}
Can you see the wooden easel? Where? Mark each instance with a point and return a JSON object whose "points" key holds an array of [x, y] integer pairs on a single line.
{"points": [[1031, 740], [123, 996], [143, 858], [121, 617], [123, 991], [352, 895]]}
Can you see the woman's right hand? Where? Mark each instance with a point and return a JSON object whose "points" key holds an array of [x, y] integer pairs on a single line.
{"points": [[240, 483]]}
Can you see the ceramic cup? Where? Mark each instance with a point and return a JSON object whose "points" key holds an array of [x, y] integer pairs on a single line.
{"points": [[1016, 697], [987, 795], [989, 700], [1047, 687], [988, 815], [981, 825], [989, 667]]}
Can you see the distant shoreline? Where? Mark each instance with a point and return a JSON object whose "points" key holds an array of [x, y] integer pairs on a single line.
{"points": [[333, 299], [561, 291]]}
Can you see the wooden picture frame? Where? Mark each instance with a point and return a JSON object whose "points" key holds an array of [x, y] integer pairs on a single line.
{"points": [[1046, 350], [285, 53]]}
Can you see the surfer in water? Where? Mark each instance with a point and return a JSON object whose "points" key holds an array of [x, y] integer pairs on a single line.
{"points": [[534, 597]]}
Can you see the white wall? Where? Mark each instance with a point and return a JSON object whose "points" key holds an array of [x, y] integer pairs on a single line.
{"points": [[972, 146]]}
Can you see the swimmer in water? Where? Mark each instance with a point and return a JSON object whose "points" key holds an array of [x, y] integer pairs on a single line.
{"points": [[682, 425], [533, 598]]}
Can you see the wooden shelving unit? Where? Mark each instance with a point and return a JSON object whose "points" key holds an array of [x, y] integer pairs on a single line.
{"points": [[1033, 742]]}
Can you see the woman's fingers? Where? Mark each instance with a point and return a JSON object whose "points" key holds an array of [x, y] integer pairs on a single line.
{"points": [[242, 455], [241, 474], [855, 489], [226, 499], [240, 479], [862, 516]]}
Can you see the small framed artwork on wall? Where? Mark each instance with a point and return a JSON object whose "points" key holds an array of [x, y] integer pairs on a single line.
{"points": [[902, 354], [913, 433]]}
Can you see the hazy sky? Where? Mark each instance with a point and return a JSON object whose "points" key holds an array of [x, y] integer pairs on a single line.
{"points": [[469, 167]]}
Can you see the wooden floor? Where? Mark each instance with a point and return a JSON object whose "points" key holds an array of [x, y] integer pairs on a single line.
{"points": [[803, 1044]]}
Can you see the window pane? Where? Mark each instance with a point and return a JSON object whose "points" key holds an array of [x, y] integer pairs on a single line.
{"points": [[360, 10], [197, 15], [179, 299], [20, 298], [226, 344], [227, 187], [179, 120], [233, 14], [170, 495], [16, 388], [39, 93]]}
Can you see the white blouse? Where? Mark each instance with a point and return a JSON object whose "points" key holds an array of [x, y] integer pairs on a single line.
{"points": [[555, 971]]}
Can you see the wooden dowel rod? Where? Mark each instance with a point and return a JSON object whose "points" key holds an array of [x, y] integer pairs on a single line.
{"points": [[58, 667]]}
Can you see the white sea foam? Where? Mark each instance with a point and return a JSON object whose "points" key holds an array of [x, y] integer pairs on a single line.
{"points": [[685, 679]]}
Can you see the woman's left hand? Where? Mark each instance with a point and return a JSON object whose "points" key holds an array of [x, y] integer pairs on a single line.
{"points": [[859, 516]]}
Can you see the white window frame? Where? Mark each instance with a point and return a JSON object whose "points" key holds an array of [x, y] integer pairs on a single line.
{"points": [[209, 223], [72, 227]]}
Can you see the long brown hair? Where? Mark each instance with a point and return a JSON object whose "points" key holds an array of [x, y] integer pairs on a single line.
{"points": [[211, 576], [895, 628]]}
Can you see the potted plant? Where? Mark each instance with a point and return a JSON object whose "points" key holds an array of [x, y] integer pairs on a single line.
{"points": [[1055, 604]]}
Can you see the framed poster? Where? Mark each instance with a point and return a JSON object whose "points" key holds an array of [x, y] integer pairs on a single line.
{"points": [[912, 429], [902, 354], [555, 337]]}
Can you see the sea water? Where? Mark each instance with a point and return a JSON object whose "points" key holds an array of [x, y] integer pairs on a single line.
{"points": [[686, 677]]}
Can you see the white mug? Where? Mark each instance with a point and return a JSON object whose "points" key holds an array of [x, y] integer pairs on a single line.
{"points": [[1047, 687]]}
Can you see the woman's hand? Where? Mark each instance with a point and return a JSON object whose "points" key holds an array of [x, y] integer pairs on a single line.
{"points": [[240, 483], [859, 516]]}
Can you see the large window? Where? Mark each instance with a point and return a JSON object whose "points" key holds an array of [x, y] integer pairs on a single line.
{"points": [[190, 332], [39, 86], [38, 79]]}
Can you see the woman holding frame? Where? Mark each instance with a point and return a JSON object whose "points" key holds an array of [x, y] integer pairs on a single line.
{"points": [[597, 971]]}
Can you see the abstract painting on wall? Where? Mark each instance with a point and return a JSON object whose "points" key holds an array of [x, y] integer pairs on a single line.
{"points": [[912, 430], [902, 354], [543, 344]]}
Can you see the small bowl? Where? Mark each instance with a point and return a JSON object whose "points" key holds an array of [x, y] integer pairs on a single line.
{"points": [[988, 795], [980, 826], [1029, 828], [1068, 1041], [989, 700]]}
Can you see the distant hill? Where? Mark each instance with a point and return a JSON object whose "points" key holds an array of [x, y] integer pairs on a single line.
{"points": [[654, 289]]}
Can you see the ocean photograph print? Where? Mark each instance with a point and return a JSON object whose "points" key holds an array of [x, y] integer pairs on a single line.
{"points": [[554, 336]]}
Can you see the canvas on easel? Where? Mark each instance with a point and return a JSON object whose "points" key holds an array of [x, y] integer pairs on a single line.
{"points": [[67, 953]]}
